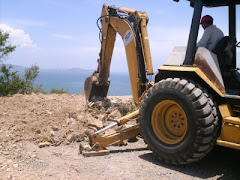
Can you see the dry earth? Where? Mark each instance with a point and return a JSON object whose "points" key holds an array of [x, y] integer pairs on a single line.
{"points": [[58, 123]]}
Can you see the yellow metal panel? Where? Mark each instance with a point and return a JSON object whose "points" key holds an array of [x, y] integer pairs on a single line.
{"points": [[128, 117], [230, 130], [228, 144], [225, 110], [118, 137], [108, 41], [146, 47], [192, 69], [232, 120], [124, 29], [127, 10]]}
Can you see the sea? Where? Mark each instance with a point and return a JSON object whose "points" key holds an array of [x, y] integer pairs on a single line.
{"points": [[73, 82]]}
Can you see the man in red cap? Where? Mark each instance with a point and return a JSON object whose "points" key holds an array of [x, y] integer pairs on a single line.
{"points": [[211, 34]]}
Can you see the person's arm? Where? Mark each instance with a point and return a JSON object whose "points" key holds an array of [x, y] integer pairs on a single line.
{"points": [[205, 38]]}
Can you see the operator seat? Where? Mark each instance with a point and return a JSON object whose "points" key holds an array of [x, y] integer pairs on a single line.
{"points": [[224, 51], [225, 54]]}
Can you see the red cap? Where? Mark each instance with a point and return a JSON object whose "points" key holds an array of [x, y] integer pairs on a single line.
{"points": [[206, 18]]}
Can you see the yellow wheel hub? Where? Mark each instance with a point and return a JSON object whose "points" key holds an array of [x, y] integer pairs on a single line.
{"points": [[169, 122]]}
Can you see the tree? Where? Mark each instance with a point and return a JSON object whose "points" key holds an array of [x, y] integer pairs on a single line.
{"points": [[5, 47], [10, 81]]}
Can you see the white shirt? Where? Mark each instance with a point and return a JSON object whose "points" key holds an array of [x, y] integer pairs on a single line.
{"points": [[210, 37]]}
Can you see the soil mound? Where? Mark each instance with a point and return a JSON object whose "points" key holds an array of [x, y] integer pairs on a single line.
{"points": [[56, 119]]}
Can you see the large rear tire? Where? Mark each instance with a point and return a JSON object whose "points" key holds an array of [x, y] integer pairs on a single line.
{"points": [[178, 121]]}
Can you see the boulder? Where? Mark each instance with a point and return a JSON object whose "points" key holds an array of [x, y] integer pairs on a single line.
{"points": [[71, 137], [95, 123], [115, 114]]}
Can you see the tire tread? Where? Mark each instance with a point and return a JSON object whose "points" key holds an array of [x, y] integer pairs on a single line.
{"points": [[207, 120]]}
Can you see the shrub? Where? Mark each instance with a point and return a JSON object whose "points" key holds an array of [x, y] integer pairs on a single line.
{"points": [[28, 79], [59, 91], [10, 81], [39, 89]]}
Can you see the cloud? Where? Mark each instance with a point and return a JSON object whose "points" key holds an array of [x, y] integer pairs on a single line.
{"points": [[62, 36], [18, 37]]}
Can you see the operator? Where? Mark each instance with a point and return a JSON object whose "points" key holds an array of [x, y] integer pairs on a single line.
{"points": [[211, 34]]}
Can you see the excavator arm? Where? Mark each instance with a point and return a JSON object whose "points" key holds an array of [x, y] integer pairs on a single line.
{"points": [[131, 25]]}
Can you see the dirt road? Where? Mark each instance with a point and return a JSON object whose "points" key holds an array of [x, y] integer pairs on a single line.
{"points": [[61, 120]]}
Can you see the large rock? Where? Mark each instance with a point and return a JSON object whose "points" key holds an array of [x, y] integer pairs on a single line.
{"points": [[71, 137], [115, 114], [106, 103], [80, 118], [95, 123]]}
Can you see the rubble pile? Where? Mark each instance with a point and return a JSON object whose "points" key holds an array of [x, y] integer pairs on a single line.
{"points": [[48, 120]]}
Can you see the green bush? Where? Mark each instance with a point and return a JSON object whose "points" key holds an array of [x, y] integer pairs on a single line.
{"points": [[5, 47], [39, 89], [10, 81], [59, 91]]}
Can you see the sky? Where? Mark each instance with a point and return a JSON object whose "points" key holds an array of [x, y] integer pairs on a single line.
{"points": [[60, 34]]}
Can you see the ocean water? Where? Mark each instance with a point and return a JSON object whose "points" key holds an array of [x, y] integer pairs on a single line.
{"points": [[74, 82]]}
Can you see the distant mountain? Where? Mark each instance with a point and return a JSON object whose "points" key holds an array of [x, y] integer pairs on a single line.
{"points": [[15, 67], [66, 70], [22, 69]]}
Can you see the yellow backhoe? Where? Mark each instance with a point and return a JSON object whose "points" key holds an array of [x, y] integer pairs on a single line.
{"points": [[194, 102]]}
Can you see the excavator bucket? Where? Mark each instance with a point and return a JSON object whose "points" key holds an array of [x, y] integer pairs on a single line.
{"points": [[92, 88]]}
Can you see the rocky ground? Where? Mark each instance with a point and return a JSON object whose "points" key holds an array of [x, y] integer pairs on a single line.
{"points": [[40, 137]]}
